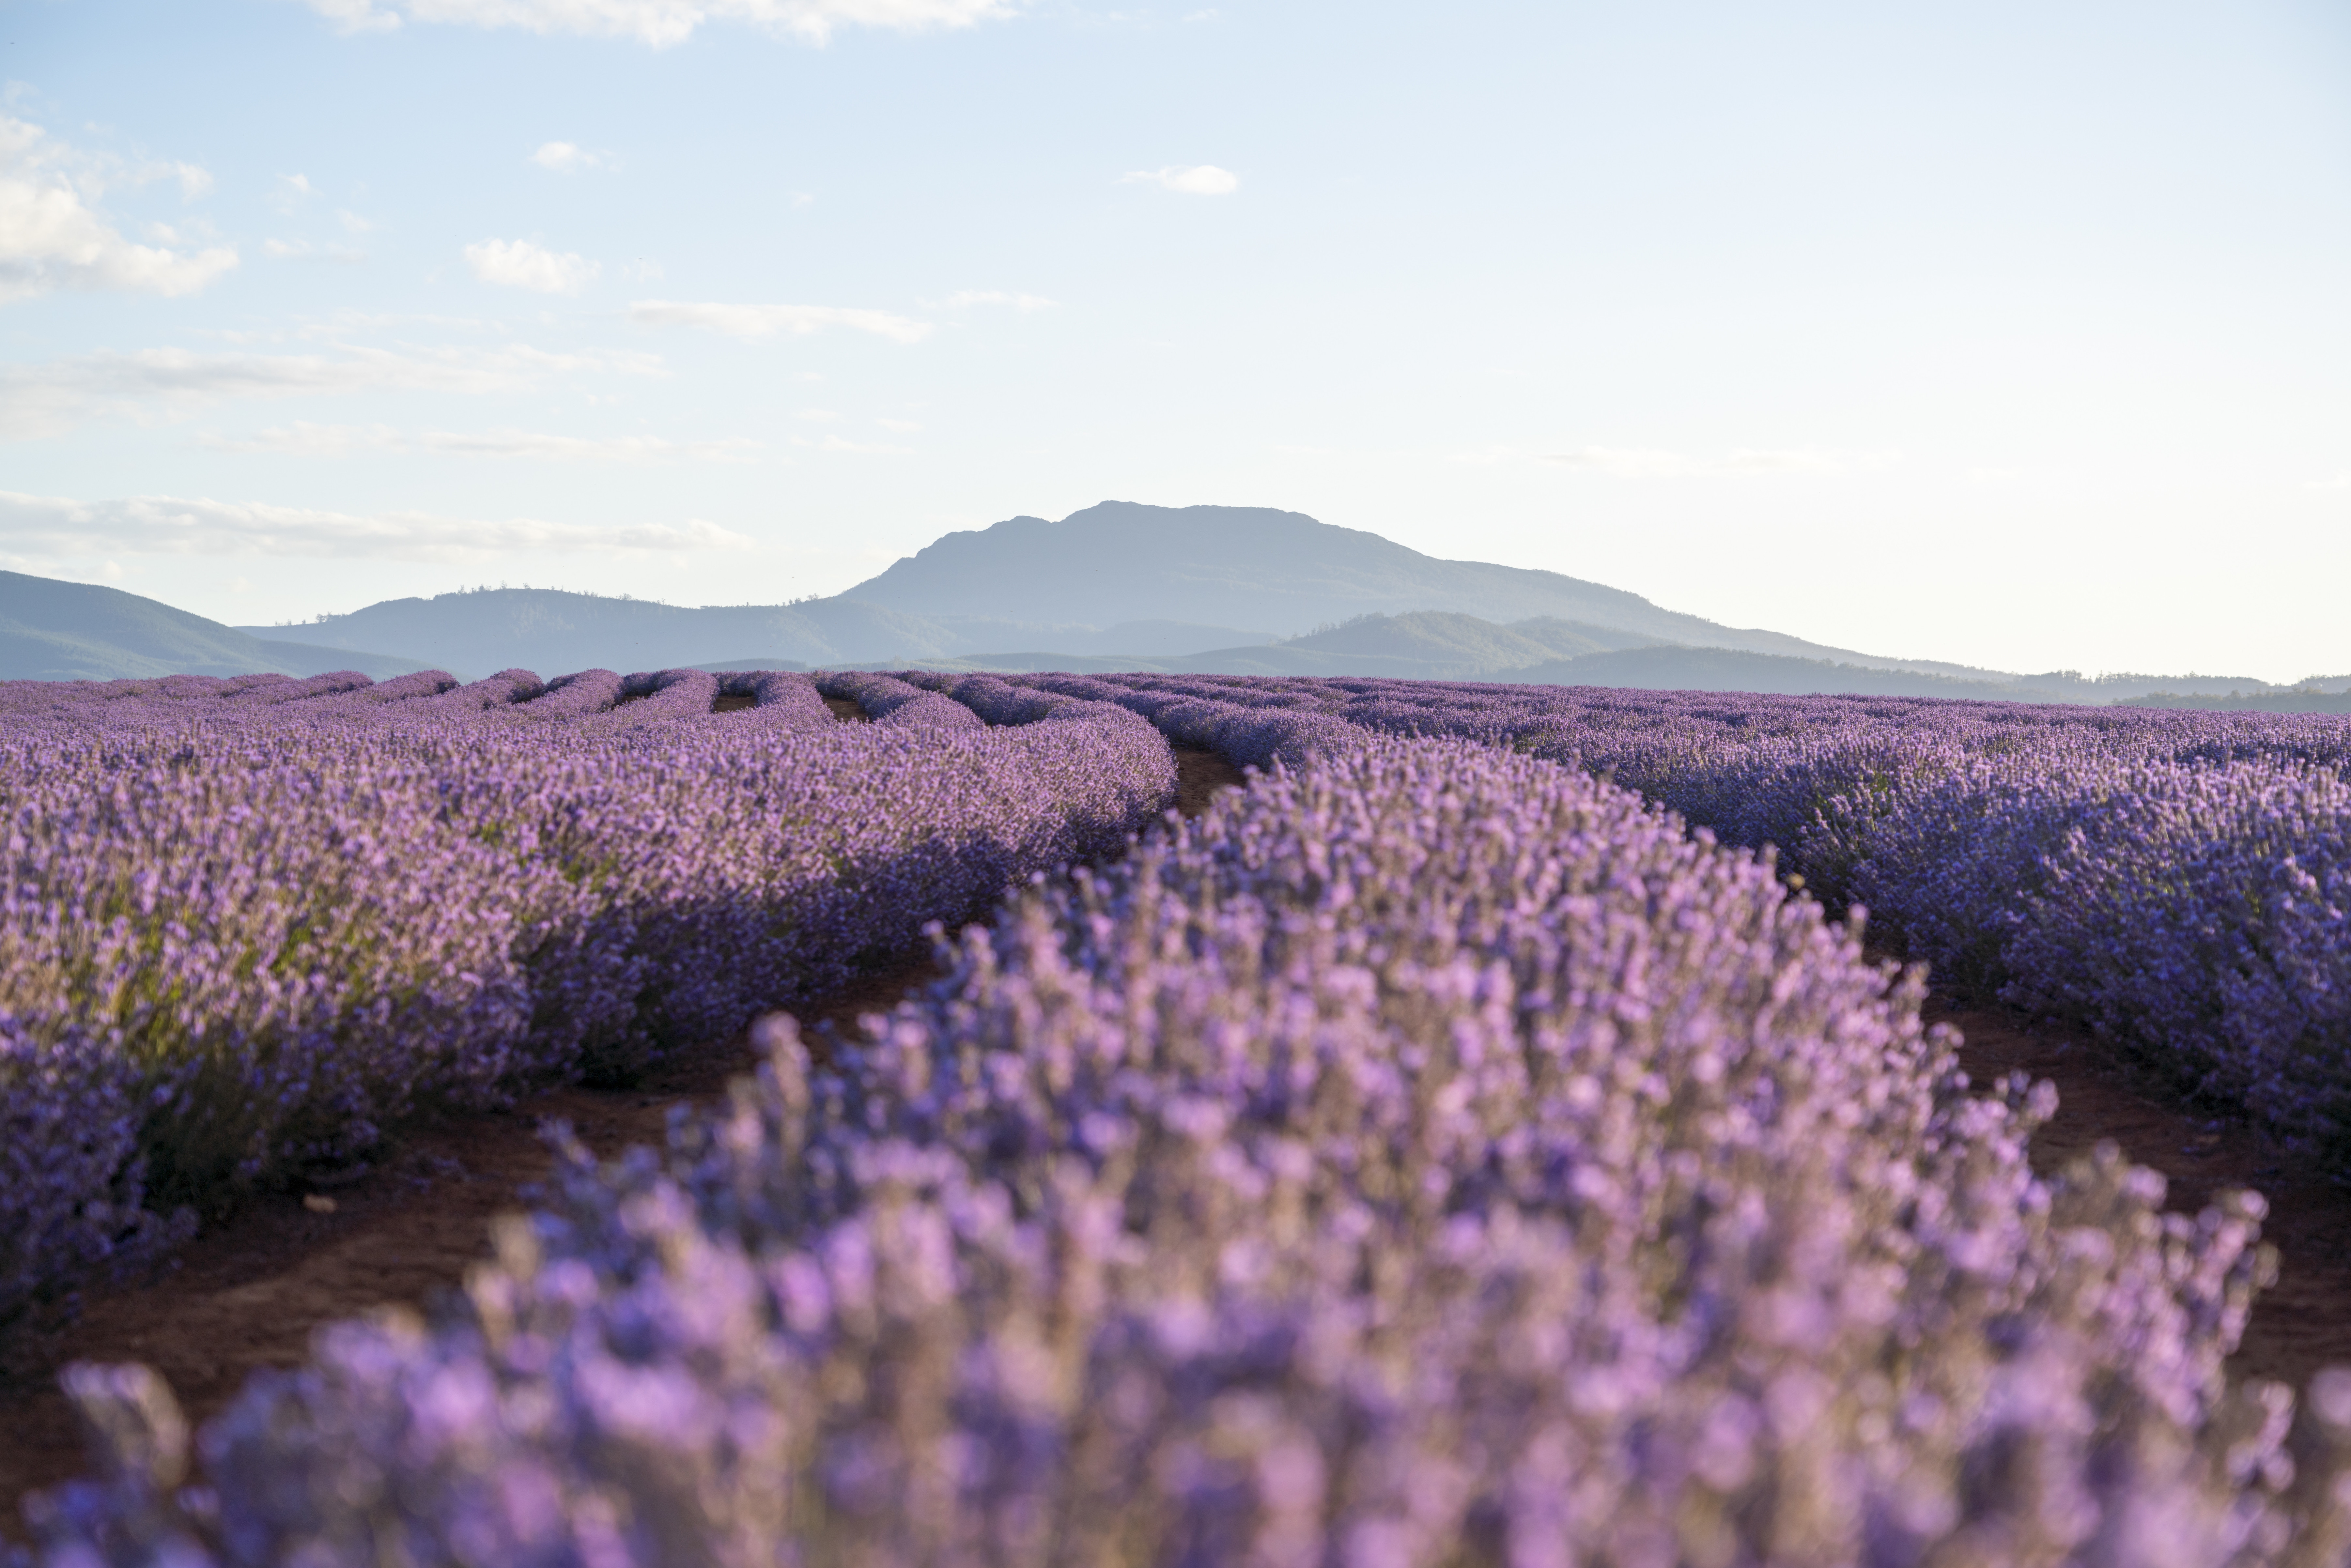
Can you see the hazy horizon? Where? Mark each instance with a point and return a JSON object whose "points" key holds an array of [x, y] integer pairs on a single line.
{"points": [[2004, 336]]}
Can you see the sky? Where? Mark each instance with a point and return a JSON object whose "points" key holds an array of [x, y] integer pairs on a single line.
{"points": [[2013, 333]]}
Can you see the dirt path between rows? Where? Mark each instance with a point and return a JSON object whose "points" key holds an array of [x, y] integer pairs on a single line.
{"points": [[2300, 1323], [249, 1294]]}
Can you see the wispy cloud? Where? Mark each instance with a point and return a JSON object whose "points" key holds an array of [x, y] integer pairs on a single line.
{"points": [[303, 439], [1650, 463], [661, 23], [2340, 482], [355, 16], [38, 525], [53, 236], [1200, 179], [566, 157], [751, 322], [964, 299], [842, 444], [303, 250], [42, 399], [518, 263]]}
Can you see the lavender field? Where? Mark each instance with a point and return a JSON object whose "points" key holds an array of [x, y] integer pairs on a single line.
{"points": [[1437, 1153], [248, 921]]}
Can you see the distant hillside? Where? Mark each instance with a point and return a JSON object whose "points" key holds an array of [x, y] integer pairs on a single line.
{"points": [[1443, 637], [53, 631], [1439, 645], [2323, 695], [1733, 670], [546, 630]]}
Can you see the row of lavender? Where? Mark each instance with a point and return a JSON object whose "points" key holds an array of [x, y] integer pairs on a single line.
{"points": [[245, 922], [1438, 1157], [2179, 882]]}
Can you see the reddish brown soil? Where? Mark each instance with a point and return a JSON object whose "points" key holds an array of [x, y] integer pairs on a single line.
{"points": [[847, 711], [732, 702], [2300, 1323], [249, 1293], [1198, 776]]}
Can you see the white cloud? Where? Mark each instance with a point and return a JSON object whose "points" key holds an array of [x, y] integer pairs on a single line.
{"points": [[1800, 460], [766, 320], [42, 399], [565, 156], [518, 263], [2340, 482], [661, 23], [38, 525], [1020, 302], [1202, 179], [842, 444], [290, 192], [354, 224], [303, 250], [52, 237], [355, 16], [1648, 462], [303, 439], [1628, 462]]}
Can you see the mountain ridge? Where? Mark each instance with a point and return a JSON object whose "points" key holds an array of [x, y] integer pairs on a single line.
{"points": [[1117, 586], [1347, 572], [1167, 581]]}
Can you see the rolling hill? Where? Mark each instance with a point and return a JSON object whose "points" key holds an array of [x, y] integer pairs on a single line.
{"points": [[53, 631], [1439, 646]]}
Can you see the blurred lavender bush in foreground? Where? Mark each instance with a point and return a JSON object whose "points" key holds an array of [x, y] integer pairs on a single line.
{"points": [[1434, 1158], [245, 922]]}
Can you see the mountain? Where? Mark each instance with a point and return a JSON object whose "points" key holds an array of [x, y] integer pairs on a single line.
{"points": [[542, 629], [1446, 637], [1118, 586], [1255, 566], [477, 630], [1119, 581], [53, 631]]}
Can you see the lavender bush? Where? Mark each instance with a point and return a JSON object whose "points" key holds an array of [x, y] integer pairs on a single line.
{"points": [[890, 701], [1438, 1158], [246, 922], [2179, 882]]}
